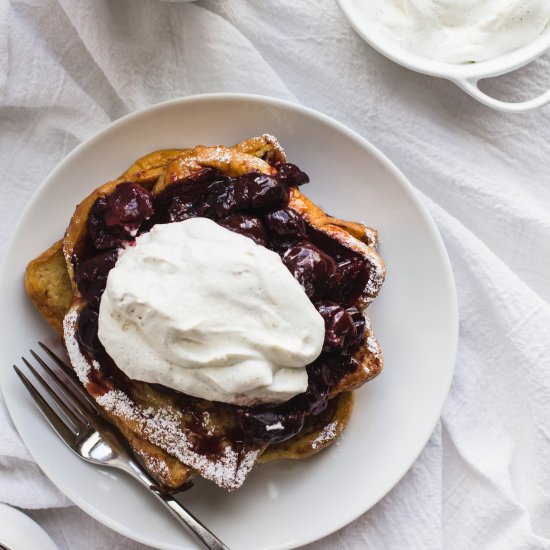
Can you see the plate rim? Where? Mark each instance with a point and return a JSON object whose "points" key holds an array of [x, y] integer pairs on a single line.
{"points": [[268, 101]]}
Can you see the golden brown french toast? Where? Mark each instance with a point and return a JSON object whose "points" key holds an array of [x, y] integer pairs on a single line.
{"points": [[179, 436]]}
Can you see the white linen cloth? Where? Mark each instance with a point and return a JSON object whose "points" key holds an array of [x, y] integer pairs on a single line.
{"points": [[69, 67]]}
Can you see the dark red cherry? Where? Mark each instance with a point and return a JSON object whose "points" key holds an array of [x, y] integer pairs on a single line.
{"points": [[266, 425], [290, 174], [285, 223], [100, 236], [311, 267], [118, 217], [223, 198], [340, 330], [129, 206], [315, 399], [249, 226], [359, 322], [86, 333], [267, 192], [349, 282], [180, 210], [91, 276], [320, 371]]}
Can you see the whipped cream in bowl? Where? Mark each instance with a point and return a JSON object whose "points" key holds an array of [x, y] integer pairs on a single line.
{"points": [[459, 31], [464, 41], [208, 312]]}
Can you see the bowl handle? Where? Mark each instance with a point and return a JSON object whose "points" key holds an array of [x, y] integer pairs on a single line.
{"points": [[470, 86]]}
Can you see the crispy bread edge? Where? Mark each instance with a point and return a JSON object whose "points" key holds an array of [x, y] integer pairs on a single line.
{"points": [[48, 286]]}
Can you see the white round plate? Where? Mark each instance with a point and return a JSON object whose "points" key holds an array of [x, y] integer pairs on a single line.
{"points": [[20, 532], [288, 503]]}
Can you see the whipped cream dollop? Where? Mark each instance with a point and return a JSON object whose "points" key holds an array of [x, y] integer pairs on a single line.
{"points": [[458, 31], [206, 311]]}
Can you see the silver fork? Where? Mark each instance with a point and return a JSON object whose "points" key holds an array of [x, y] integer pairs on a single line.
{"points": [[75, 417]]}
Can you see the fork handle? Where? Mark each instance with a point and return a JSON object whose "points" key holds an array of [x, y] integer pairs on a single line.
{"points": [[193, 526], [189, 521]]}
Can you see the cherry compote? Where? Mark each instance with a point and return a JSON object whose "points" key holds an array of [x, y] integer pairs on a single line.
{"points": [[86, 333], [311, 267], [118, 217], [285, 224], [290, 174], [340, 330], [180, 209], [223, 198], [91, 276], [269, 425], [247, 225], [254, 205], [267, 192]]}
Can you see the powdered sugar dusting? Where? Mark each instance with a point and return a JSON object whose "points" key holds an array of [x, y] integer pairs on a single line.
{"points": [[158, 467], [223, 154], [328, 433], [274, 142], [376, 276], [162, 427], [371, 235], [370, 341], [78, 361]]}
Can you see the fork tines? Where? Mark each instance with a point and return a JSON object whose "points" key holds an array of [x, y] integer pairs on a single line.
{"points": [[62, 399]]}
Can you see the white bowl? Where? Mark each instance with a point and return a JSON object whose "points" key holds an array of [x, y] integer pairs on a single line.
{"points": [[20, 532], [465, 75]]}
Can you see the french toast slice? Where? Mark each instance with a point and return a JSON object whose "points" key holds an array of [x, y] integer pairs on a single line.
{"points": [[49, 294], [157, 424], [48, 286]]}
